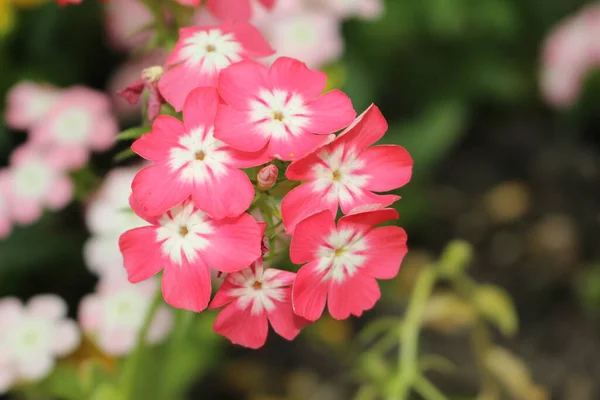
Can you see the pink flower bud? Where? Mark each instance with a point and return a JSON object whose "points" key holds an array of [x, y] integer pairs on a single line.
{"points": [[267, 177]]}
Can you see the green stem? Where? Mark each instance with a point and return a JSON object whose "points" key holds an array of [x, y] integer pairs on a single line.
{"points": [[427, 390], [132, 365], [408, 366]]}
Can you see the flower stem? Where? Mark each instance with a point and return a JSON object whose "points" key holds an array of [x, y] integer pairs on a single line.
{"points": [[427, 390]]}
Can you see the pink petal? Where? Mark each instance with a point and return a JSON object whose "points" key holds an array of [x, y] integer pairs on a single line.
{"points": [[302, 202], [302, 169], [223, 295], [366, 220], [155, 102], [360, 197], [227, 195], [241, 327], [61, 193], [244, 159], [156, 144], [140, 212], [309, 292], [66, 338], [200, 108], [105, 133], [235, 244], [177, 83], [48, 306], [187, 286], [241, 82], [35, 368], [390, 167], [294, 76], [283, 320], [295, 147], [7, 374], [161, 326], [156, 189], [142, 257], [255, 44], [331, 112], [309, 235], [267, 3], [11, 310], [90, 313], [279, 277], [26, 211], [368, 128], [237, 10], [352, 296], [233, 127], [133, 91], [117, 341], [387, 248]]}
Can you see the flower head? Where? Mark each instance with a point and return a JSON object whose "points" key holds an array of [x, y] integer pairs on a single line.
{"points": [[236, 10]]}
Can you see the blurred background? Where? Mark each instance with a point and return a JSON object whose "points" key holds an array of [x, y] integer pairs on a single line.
{"points": [[498, 101]]}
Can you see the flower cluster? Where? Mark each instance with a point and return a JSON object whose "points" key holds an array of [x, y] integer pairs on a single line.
{"points": [[64, 126], [211, 171], [570, 52]]}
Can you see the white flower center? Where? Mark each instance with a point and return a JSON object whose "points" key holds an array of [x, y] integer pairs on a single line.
{"points": [[279, 113], [183, 232], [199, 156], [341, 257], [33, 179], [212, 50], [125, 308], [257, 290], [40, 104], [30, 338], [73, 126]]}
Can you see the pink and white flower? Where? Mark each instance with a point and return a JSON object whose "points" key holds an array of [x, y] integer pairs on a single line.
{"points": [[125, 22], [346, 172], [343, 262], [189, 161], [108, 215], [5, 216], [28, 103], [236, 10], [185, 243], [115, 313], [35, 180], [202, 52], [252, 298], [32, 337], [281, 107], [78, 122]]}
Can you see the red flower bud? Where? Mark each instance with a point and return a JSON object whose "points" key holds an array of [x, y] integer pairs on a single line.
{"points": [[267, 177]]}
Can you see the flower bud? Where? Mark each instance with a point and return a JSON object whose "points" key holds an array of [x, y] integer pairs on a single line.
{"points": [[152, 74], [267, 177]]}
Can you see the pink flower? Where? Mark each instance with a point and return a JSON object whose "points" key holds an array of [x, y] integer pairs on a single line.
{"points": [[367, 9], [252, 298], [185, 243], [202, 52], [114, 315], [280, 106], [63, 3], [28, 103], [237, 10], [125, 20], [107, 216], [189, 161], [5, 215], [35, 181], [346, 172], [343, 262], [32, 337], [191, 3], [78, 122], [267, 177]]}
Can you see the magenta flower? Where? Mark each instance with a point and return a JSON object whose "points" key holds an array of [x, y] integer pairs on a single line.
{"points": [[280, 106], [189, 161], [252, 298], [185, 243], [202, 52], [346, 172], [344, 262], [235, 10]]}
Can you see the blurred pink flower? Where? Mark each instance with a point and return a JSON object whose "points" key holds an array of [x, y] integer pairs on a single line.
{"points": [[236, 10], [35, 181], [191, 3], [78, 122], [125, 20], [5, 217], [108, 215], [115, 313], [365, 9], [32, 337], [28, 103]]}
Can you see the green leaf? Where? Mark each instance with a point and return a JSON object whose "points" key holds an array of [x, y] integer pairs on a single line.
{"points": [[133, 133], [107, 392], [64, 383], [124, 155], [495, 305]]}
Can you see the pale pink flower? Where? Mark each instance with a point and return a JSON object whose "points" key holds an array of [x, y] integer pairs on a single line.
{"points": [[5, 214], [202, 52], [32, 337], [191, 3], [80, 121], [366, 9], [189, 161], [28, 103], [186, 243], [252, 298], [35, 181], [346, 172], [108, 215], [343, 262], [115, 313], [125, 20], [281, 107], [236, 10]]}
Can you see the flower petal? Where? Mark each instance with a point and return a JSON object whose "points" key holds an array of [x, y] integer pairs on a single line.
{"points": [[242, 327], [294, 76], [229, 195], [386, 250], [142, 257], [302, 202], [352, 296], [156, 189], [187, 286], [48, 306], [200, 108], [283, 320], [309, 292], [309, 235], [156, 144], [390, 167], [330, 113]]}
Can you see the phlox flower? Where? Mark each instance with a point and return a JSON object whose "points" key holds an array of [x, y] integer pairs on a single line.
{"points": [[107, 216], [78, 122], [5, 217], [366, 9], [125, 20], [189, 161], [343, 262], [28, 103], [36, 180], [237, 10], [185, 243], [346, 172], [281, 107], [202, 52], [115, 313], [252, 298], [32, 337]]}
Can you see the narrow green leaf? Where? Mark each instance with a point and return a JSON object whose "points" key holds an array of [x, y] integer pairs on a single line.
{"points": [[133, 133]]}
